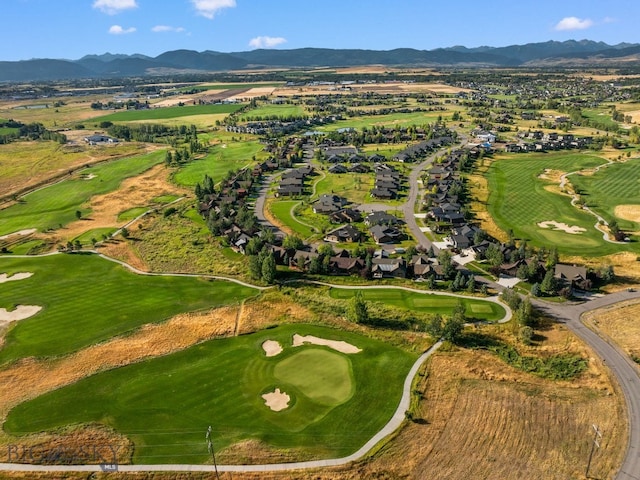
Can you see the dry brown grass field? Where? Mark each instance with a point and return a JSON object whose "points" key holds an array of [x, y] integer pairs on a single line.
{"points": [[621, 323], [24, 164]]}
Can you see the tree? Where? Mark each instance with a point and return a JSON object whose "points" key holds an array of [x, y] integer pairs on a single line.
{"points": [[268, 269], [358, 311], [292, 242], [78, 214], [446, 262], [548, 285], [255, 267], [124, 232], [535, 289]]}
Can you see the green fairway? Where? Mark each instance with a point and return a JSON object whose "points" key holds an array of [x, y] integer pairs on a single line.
{"points": [[476, 309], [167, 112], [131, 213], [617, 184], [166, 404], [519, 200], [56, 205], [355, 187], [220, 160], [87, 299]]}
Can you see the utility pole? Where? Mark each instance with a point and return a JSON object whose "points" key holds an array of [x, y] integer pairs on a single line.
{"points": [[213, 453], [596, 443]]}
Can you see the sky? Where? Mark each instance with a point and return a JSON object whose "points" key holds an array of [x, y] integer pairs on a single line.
{"points": [[71, 29]]}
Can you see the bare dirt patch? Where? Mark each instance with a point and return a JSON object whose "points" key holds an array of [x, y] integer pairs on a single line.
{"points": [[125, 252], [574, 229], [19, 233], [271, 310], [276, 400], [551, 175], [4, 277], [140, 190], [271, 348], [628, 212], [337, 345]]}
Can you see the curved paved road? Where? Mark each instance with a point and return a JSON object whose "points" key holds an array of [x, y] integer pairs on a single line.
{"points": [[625, 371]]}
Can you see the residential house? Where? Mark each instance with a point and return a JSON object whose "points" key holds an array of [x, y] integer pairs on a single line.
{"points": [[388, 268], [344, 234], [384, 234]]}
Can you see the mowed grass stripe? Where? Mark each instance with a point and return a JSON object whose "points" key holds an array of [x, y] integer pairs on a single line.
{"points": [[519, 200], [56, 205], [87, 299], [167, 112], [165, 404], [425, 302]]}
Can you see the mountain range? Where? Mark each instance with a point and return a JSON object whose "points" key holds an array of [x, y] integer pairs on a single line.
{"points": [[551, 53]]}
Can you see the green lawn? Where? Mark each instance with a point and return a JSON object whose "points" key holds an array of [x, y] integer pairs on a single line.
{"points": [[165, 404], [391, 120], [270, 111], [518, 200], [131, 213], [281, 209], [167, 113], [220, 159], [54, 205], [87, 299], [355, 187], [96, 233], [476, 309], [617, 184]]}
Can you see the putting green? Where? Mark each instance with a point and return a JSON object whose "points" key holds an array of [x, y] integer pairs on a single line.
{"points": [[323, 376]]}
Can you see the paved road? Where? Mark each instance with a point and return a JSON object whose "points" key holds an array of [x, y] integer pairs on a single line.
{"points": [[408, 208], [259, 206], [623, 368]]}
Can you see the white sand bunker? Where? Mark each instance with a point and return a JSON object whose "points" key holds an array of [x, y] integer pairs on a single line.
{"points": [[574, 230], [271, 348], [19, 313], [276, 400], [91, 176], [4, 277], [28, 231], [338, 345]]}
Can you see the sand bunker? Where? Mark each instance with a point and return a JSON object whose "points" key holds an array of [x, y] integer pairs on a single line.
{"points": [[276, 400], [28, 231], [574, 230], [338, 345], [4, 277], [19, 313], [271, 348], [628, 212], [91, 176]]}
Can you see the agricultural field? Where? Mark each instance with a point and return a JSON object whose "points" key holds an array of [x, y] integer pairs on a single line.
{"points": [[228, 86], [78, 310], [202, 383], [56, 205], [476, 309], [518, 182], [167, 113], [268, 112]]}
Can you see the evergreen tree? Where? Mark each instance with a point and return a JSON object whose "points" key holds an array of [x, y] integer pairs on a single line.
{"points": [[268, 269], [358, 311]]}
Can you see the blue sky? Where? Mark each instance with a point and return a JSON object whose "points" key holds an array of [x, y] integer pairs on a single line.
{"points": [[73, 28]]}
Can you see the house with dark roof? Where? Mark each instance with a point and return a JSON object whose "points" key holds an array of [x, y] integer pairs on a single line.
{"points": [[328, 204], [344, 234], [380, 218], [339, 265], [347, 215], [384, 234]]}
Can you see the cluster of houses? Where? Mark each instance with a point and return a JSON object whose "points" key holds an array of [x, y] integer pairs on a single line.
{"points": [[537, 141], [292, 182], [421, 149], [279, 127], [388, 182]]}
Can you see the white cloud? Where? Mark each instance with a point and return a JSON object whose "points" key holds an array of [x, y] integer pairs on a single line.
{"points": [[573, 23], [266, 42], [167, 28], [111, 7], [118, 30], [208, 8]]}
